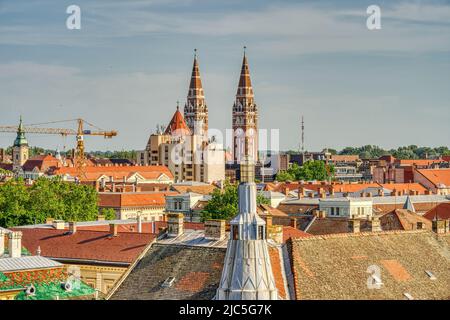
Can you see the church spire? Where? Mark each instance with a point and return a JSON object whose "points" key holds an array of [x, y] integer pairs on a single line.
{"points": [[195, 110], [245, 117], [245, 84]]}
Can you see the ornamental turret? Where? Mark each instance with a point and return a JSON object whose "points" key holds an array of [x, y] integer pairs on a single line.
{"points": [[247, 272]]}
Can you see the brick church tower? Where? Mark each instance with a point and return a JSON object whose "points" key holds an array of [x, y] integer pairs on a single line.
{"points": [[245, 118], [195, 109]]}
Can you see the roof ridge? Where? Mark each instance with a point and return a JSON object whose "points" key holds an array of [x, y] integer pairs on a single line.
{"points": [[362, 234]]}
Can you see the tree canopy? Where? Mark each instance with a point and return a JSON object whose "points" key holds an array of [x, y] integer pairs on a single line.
{"points": [[224, 203], [311, 170], [54, 198]]}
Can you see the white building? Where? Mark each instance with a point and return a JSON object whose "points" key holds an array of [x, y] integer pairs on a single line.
{"points": [[347, 207]]}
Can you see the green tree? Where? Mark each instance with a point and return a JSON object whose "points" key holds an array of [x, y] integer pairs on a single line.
{"points": [[224, 203], [14, 198], [311, 170], [54, 198], [108, 213]]}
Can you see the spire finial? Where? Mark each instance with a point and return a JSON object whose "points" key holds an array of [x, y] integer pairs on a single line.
{"points": [[178, 105], [195, 53], [245, 47]]}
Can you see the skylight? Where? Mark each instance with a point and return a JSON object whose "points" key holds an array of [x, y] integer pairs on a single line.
{"points": [[168, 282], [408, 296], [430, 274]]}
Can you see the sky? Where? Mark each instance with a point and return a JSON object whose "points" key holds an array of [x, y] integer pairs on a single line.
{"points": [[131, 61]]}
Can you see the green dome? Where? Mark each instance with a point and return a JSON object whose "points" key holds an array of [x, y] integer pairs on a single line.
{"points": [[20, 138]]}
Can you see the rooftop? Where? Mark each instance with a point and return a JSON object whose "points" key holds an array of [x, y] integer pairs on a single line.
{"points": [[27, 263], [339, 266], [95, 246]]}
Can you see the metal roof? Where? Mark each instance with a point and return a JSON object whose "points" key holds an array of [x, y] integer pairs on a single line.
{"points": [[195, 238], [27, 263]]}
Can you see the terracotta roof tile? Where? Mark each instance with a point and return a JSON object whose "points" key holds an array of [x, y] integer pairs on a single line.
{"points": [[85, 245]]}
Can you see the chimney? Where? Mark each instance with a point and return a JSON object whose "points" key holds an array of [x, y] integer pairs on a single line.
{"points": [[316, 213], [102, 183], [15, 244], [354, 226], [59, 224], [268, 219], [440, 226], [322, 214], [301, 192], [113, 227], [2, 242], [381, 192], [38, 251], [100, 217], [323, 195], [311, 195], [375, 225], [331, 191], [139, 223], [72, 227], [294, 222], [49, 220], [215, 229], [369, 194], [175, 225], [286, 191]]}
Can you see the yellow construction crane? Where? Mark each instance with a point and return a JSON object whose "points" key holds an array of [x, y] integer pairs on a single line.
{"points": [[79, 160]]}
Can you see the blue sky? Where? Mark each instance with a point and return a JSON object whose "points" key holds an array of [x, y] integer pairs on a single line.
{"points": [[131, 61]]}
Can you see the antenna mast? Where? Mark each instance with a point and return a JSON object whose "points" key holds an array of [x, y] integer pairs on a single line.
{"points": [[303, 136]]}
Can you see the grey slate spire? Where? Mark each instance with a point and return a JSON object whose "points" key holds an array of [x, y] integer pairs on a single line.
{"points": [[247, 272], [409, 205]]}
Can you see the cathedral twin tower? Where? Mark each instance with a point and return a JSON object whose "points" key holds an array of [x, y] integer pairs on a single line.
{"points": [[244, 116]]}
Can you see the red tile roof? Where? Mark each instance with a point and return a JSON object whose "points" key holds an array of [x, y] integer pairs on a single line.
{"points": [[119, 172], [442, 211], [291, 232], [418, 162], [147, 227], [177, 125], [277, 271], [42, 162], [133, 199], [436, 176], [85, 245]]}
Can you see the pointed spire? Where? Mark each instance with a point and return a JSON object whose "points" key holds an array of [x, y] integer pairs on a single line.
{"points": [[20, 138], [245, 84], [195, 110], [409, 205], [195, 87]]}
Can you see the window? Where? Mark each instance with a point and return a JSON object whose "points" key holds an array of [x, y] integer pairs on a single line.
{"points": [[235, 232], [332, 211], [337, 211], [260, 232], [419, 225]]}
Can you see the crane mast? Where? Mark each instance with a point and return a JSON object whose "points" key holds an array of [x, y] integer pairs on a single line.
{"points": [[80, 157]]}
